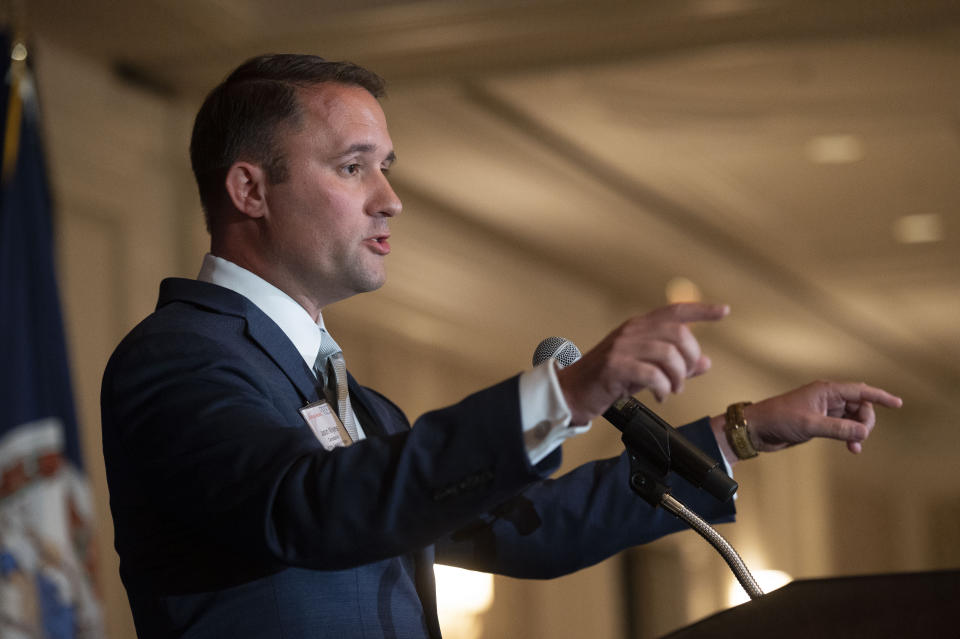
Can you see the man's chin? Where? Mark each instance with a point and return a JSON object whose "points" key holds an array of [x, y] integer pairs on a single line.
{"points": [[368, 285]]}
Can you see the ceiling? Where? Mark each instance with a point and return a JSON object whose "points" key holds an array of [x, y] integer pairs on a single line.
{"points": [[768, 151]]}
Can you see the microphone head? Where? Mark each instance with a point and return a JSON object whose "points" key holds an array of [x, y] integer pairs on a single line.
{"points": [[559, 348]]}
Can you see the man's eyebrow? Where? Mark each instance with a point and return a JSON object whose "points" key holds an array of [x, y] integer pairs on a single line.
{"points": [[361, 147]]}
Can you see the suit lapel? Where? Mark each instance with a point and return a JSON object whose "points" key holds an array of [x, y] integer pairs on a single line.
{"points": [[260, 328], [267, 335], [274, 342]]}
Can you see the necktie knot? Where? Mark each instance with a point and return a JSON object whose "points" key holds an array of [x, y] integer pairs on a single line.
{"points": [[328, 348]]}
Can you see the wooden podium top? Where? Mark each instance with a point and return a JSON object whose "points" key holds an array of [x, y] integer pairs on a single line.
{"points": [[905, 605]]}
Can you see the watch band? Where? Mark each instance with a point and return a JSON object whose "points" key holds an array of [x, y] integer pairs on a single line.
{"points": [[738, 431]]}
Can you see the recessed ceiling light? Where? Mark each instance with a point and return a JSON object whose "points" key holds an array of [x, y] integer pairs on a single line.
{"points": [[720, 7], [681, 289], [915, 229], [834, 149]]}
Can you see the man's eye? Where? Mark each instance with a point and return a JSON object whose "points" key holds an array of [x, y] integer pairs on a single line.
{"points": [[351, 169]]}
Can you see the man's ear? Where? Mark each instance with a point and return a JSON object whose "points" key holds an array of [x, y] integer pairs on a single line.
{"points": [[246, 185]]}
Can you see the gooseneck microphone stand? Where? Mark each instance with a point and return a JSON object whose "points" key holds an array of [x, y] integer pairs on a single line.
{"points": [[647, 482]]}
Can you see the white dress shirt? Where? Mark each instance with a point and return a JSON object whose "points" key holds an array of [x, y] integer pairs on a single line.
{"points": [[544, 414]]}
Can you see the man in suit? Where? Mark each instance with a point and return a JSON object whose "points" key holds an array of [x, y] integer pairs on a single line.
{"points": [[258, 491]]}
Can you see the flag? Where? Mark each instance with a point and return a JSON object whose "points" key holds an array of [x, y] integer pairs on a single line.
{"points": [[46, 543]]}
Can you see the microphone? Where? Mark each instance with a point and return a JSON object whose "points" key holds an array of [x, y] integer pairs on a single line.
{"points": [[644, 431]]}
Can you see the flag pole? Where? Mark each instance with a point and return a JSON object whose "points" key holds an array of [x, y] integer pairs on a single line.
{"points": [[14, 15]]}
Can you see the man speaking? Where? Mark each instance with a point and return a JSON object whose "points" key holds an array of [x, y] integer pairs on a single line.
{"points": [[259, 491]]}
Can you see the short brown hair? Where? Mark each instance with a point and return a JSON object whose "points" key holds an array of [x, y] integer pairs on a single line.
{"points": [[241, 116]]}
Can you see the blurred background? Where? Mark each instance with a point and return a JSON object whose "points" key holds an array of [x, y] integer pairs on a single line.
{"points": [[563, 165]]}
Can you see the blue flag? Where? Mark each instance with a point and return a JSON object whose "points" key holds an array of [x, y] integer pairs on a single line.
{"points": [[46, 541]]}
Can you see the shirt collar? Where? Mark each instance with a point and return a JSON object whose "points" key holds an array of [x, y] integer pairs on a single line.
{"points": [[286, 313]]}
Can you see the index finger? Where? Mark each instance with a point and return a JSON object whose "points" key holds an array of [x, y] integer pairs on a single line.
{"points": [[690, 312], [864, 392]]}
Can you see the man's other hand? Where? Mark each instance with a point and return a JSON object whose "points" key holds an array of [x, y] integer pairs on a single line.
{"points": [[837, 410]]}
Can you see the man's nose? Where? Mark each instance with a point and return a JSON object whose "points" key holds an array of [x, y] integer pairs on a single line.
{"points": [[385, 202]]}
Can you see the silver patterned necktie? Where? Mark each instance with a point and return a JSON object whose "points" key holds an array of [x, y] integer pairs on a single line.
{"points": [[330, 360]]}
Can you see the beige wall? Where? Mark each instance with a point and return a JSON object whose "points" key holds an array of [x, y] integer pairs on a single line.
{"points": [[448, 322], [113, 154]]}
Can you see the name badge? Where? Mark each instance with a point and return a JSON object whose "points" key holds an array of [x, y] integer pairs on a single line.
{"points": [[325, 424]]}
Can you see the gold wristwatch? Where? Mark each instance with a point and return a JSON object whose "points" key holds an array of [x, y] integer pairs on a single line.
{"points": [[738, 431]]}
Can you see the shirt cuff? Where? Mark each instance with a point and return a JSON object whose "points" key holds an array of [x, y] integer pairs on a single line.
{"points": [[544, 414], [727, 467]]}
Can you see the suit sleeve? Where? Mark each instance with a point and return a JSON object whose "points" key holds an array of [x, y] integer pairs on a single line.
{"points": [[558, 526], [202, 464]]}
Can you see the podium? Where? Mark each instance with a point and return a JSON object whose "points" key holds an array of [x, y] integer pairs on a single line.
{"points": [[925, 604]]}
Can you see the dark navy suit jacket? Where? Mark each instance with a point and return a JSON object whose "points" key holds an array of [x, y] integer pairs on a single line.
{"points": [[231, 520]]}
